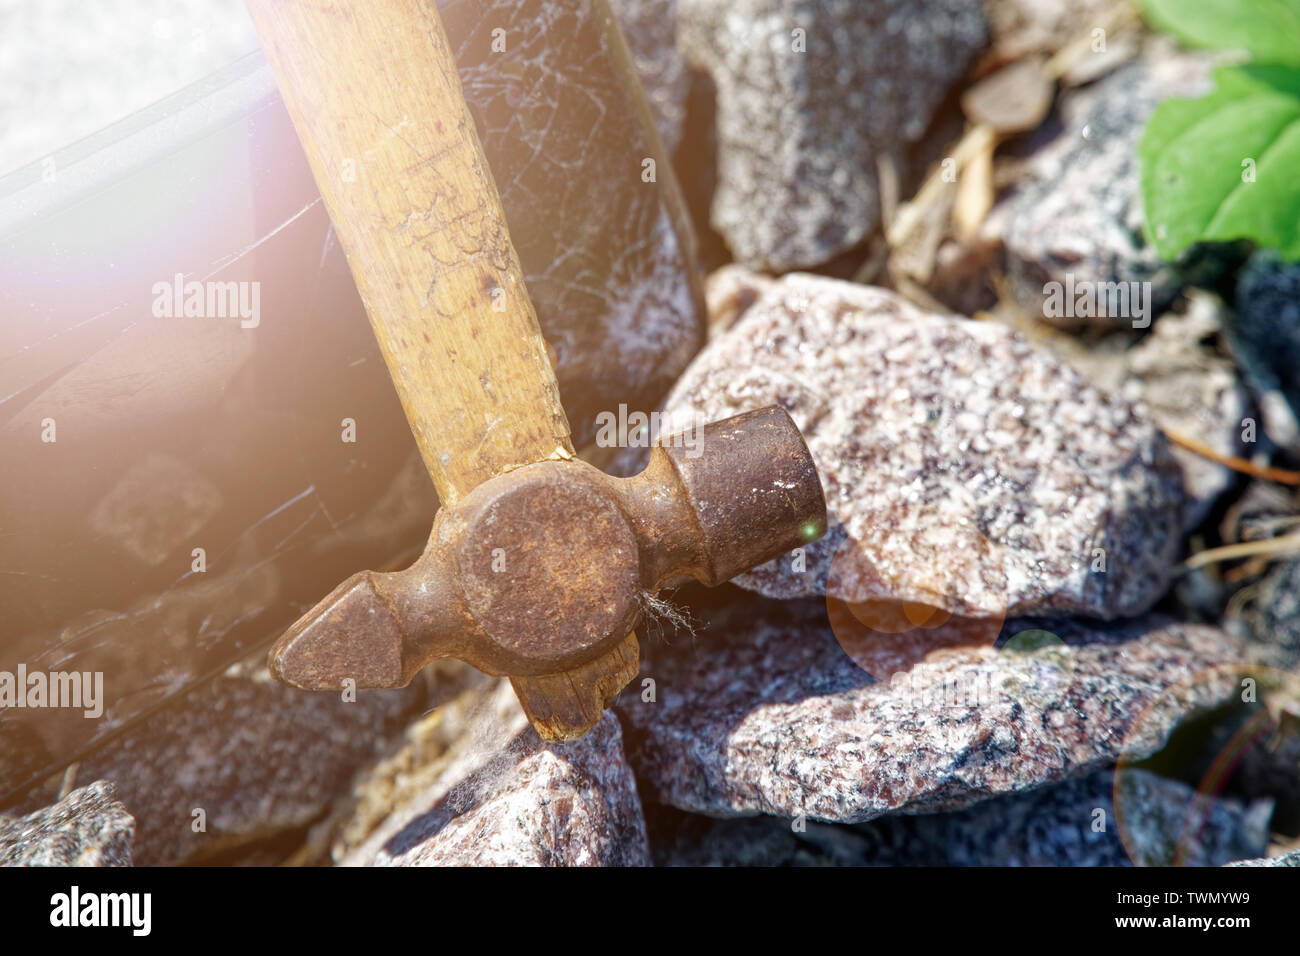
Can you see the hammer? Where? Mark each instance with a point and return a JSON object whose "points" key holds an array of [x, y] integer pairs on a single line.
{"points": [[539, 566]]}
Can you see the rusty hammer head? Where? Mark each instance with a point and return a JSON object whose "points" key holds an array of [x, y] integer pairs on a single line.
{"points": [[549, 565]]}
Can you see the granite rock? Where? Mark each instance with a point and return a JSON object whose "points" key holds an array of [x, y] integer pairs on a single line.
{"points": [[257, 758], [88, 827], [809, 93], [1286, 859], [964, 469], [508, 799], [1075, 215], [1051, 826], [766, 713]]}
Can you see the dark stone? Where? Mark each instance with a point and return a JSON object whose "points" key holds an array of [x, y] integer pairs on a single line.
{"points": [[650, 27], [608, 258], [258, 759], [1266, 338], [1158, 822]]}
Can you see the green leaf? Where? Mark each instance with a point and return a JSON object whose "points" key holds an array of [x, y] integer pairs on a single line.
{"points": [[1197, 158], [1269, 30]]}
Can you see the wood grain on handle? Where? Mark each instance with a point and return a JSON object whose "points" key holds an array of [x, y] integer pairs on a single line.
{"points": [[372, 89], [373, 92]]}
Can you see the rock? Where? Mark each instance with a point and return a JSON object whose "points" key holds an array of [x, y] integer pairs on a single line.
{"points": [[1192, 391], [255, 757], [650, 27], [1075, 217], [428, 747], [687, 839], [1286, 859], [1148, 820], [1188, 387], [88, 827], [1270, 617], [1093, 64], [1250, 749], [808, 94], [963, 469], [507, 799], [1266, 340], [1261, 510], [608, 257], [1272, 768], [1050, 826], [765, 713]]}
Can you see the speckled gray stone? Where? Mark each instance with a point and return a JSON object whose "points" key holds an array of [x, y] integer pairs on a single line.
{"points": [[799, 132], [1286, 859], [1050, 826], [650, 27], [964, 469], [1076, 211], [510, 800], [88, 827], [256, 757], [765, 713]]}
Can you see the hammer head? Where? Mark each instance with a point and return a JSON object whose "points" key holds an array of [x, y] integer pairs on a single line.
{"points": [[546, 567], [752, 490]]}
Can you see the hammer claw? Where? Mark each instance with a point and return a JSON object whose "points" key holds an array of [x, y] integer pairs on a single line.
{"points": [[356, 634]]}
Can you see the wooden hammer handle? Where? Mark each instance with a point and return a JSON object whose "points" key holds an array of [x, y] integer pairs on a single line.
{"points": [[372, 89], [373, 92]]}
